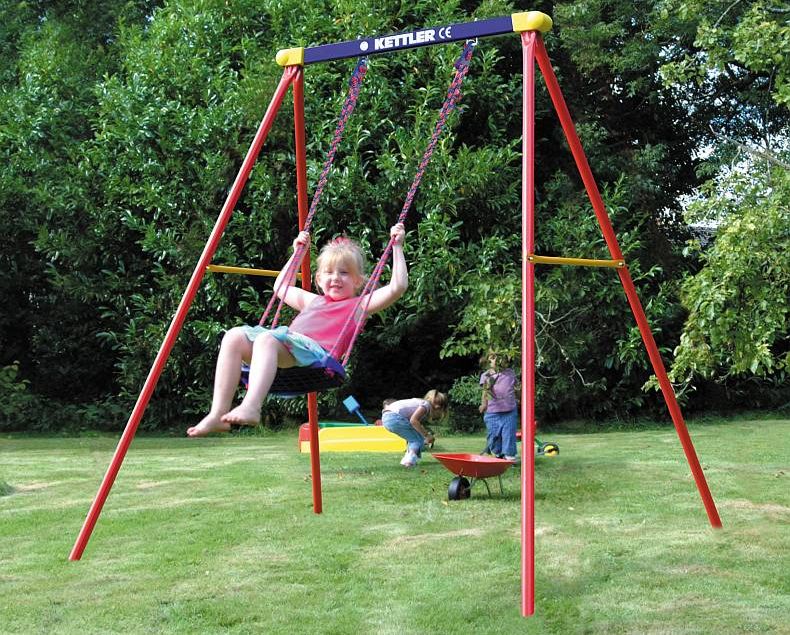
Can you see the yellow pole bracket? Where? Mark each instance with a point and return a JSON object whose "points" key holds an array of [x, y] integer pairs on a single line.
{"points": [[246, 271], [290, 57], [582, 262], [531, 21]]}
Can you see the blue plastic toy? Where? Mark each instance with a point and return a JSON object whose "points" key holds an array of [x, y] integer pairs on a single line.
{"points": [[352, 405]]}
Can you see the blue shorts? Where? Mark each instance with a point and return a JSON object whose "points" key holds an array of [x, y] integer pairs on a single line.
{"points": [[306, 351]]}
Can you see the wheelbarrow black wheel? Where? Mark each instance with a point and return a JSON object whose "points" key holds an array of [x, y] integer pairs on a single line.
{"points": [[550, 449], [459, 489]]}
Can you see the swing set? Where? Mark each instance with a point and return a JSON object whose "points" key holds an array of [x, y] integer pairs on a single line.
{"points": [[530, 26]]}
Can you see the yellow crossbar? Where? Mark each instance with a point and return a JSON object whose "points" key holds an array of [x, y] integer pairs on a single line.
{"points": [[245, 271], [582, 262]]}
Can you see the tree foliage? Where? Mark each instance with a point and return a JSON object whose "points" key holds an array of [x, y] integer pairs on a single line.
{"points": [[53, 55], [737, 328], [124, 123], [739, 302]]}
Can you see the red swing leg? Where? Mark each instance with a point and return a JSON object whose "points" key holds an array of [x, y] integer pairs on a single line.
{"points": [[528, 327], [628, 284], [180, 316], [301, 199]]}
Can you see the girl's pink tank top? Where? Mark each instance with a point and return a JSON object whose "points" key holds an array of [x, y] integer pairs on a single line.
{"points": [[323, 319]]}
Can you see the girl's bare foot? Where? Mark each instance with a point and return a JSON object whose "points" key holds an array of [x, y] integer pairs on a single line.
{"points": [[210, 423], [242, 415]]}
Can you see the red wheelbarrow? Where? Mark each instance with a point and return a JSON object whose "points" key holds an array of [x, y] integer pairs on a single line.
{"points": [[474, 466]]}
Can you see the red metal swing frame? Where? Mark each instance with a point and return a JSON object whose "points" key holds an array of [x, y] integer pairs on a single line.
{"points": [[293, 76]]}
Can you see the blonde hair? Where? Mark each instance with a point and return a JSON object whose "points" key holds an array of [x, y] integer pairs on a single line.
{"points": [[438, 401], [342, 250]]}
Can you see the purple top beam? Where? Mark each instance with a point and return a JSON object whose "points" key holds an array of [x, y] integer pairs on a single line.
{"points": [[408, 40]]}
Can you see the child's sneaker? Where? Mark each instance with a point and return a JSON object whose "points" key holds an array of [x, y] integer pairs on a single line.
{"points": [[516, 460], [409, 459]]}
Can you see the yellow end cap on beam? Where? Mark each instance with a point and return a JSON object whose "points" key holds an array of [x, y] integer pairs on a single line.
{"points": [[290, 57], [531, 21]]}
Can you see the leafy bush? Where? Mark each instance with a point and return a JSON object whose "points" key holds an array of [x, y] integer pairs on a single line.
{"points": [[464, 402], [14, 396]]}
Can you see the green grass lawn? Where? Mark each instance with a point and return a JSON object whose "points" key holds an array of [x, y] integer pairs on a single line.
{"points": [[218, 536]]}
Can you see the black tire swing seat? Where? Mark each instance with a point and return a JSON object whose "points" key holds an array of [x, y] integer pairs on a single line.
{"points": [[300, 380]]}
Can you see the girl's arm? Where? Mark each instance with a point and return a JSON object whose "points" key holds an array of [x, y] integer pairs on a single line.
{"points": [[399, 282], [294, 296], [416, 422]]}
